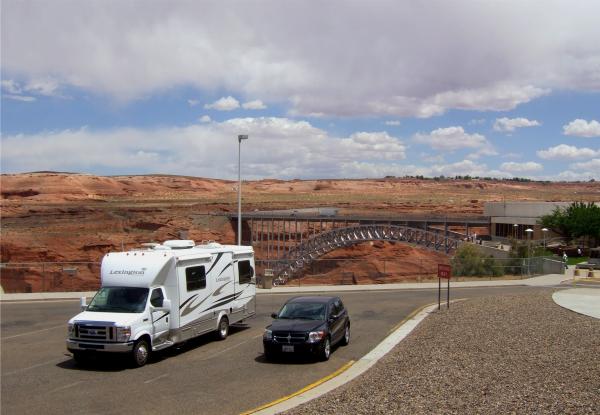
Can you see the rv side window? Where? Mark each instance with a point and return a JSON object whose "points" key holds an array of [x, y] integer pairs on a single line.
{"points": [[245, 271], [195, 278]]}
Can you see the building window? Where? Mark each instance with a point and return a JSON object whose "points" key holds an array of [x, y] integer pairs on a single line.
{"points": [[195, 278], [245, 272]]}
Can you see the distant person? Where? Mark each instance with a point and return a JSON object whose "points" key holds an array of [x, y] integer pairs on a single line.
{"points": [[578, 251], [565, 257]]}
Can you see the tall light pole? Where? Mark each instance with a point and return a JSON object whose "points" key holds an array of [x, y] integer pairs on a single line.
{"points": [[544, 230], [529, 237], [240, 138]]}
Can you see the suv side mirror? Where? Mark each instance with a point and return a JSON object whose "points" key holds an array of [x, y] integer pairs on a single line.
{"points": [[273, 315], [82, 303]]}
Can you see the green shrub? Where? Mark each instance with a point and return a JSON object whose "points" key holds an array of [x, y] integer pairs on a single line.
{"points": [[470, 261]]}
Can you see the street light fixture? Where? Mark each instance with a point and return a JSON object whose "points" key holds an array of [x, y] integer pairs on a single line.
{"points": [[240, 138]]}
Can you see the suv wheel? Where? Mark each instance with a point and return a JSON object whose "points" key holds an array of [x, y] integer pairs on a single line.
{"points": [[346, 338], [326, 350]]}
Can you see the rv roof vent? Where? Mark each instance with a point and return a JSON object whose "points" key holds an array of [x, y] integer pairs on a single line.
{"points": [[212, 245], [150, 245], [179, 244]]}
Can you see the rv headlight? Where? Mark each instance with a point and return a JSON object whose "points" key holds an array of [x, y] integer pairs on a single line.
{"points": [[268, 335], [123, 333], [315, 336], [70, 328]]}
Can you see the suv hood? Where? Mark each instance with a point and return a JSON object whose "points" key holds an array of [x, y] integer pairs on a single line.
{"points": [[295, 325]]}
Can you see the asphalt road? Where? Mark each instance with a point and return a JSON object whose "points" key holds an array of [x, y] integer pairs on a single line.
{"points": [[203, 377]]}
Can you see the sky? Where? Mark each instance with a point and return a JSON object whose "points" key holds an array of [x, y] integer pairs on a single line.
{"points": [[337, 89]]}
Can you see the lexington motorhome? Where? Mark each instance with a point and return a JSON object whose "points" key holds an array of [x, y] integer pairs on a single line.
{"points": [[156, 297]]}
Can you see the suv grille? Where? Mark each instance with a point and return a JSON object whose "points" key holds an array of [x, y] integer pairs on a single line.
{"points": [[289, 337]]}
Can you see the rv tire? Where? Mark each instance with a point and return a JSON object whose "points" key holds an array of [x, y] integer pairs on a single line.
{"points": [[223, 328], [80, 357], [140, 352]]}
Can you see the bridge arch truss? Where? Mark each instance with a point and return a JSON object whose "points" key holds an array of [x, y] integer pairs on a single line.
{"points": [[309, 250]]}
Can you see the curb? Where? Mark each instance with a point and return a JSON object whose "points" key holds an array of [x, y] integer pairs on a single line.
{"points": [[349, 371]]}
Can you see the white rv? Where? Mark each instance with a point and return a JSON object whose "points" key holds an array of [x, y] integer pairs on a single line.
{"points": [[154, 298]]}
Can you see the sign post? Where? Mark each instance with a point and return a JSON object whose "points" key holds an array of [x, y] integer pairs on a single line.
{"points": [[444, 271]]}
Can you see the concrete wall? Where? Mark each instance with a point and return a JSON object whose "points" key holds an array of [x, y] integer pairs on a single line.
{"points": [[521, 209], [551, 266]]}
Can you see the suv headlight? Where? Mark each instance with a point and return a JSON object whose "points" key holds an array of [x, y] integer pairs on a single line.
{"points": [[123, 333], [70, 328], [315, 336], [268, 335]]}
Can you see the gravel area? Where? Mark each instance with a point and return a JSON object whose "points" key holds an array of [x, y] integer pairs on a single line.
{"points": [[501, 354]]}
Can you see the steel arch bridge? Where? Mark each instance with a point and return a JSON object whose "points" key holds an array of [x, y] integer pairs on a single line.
{"points": [[304, 253]]}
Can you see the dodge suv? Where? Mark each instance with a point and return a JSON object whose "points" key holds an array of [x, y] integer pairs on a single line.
{"points": [[308, 325]]}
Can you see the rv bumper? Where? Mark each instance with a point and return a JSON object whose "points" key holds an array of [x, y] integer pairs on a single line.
{"points": [[74, 345]]}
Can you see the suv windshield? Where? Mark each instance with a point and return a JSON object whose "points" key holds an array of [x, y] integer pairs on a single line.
{"points": [[119, 300], [303, 311]]}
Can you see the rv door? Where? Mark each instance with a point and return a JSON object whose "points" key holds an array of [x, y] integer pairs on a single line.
{"points": [[160, 315]]}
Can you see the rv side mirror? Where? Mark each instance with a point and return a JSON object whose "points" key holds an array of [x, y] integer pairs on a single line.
{"points": [[166, 306], [273, 315], [82, 303]]}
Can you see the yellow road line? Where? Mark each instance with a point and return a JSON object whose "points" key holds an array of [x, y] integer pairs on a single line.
{"points": [[306, 388], [411, 315]]}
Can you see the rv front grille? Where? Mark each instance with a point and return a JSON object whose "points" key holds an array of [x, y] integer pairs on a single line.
{"points": [[92, 332], [289, 337]]}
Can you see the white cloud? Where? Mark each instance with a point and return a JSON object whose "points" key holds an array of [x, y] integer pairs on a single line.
{"points": [[393, 123], [563, 151], [43, 86], [571, 176], [204, 119], [24, 98], [277, 147], [224, 104], [254, 105], [464, 168], [582, 128], [193, 102], [291, 54], [510, 124], [478, 121], [588, 166], [521, 167], [11, 87], [451, 138]]}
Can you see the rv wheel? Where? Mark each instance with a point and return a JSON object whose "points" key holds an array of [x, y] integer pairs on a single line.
{"points": [[140, 353], [223, 328], [80, 357]]}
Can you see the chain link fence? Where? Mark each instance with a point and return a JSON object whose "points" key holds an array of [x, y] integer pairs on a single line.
{"points": [[85, 276]]}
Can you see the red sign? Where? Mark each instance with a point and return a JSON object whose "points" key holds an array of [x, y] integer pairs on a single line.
{"points": [[444, 271]]}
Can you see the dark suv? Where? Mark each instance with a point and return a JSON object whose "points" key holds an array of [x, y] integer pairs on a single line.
{"points": [[308, 325]]}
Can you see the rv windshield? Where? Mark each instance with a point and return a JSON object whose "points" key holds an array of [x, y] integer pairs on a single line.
{"points": [[119, 300]]}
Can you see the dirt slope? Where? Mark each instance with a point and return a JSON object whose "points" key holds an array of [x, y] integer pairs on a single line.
{"points": [[60, 217]]}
